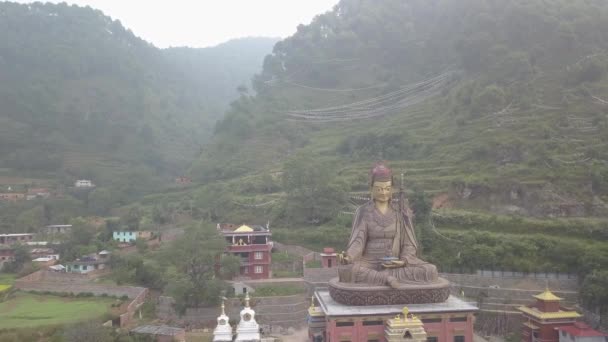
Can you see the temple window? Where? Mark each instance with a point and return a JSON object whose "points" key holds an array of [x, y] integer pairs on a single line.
{"points": [[458, 319], [258, 255], [258, 269], [431, 339], [373, 323], [345, 324], [459, 338]]}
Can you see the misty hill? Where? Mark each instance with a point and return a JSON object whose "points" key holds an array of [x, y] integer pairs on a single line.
{"points": [[501, 105], [82, 96]]}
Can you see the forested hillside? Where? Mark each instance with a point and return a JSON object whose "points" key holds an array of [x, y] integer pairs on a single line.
{"points": [[500, 104], [83, 97]]}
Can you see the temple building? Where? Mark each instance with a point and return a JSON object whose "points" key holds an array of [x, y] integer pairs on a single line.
{"points": [[330, 321], [543, 318], [252, 245]]}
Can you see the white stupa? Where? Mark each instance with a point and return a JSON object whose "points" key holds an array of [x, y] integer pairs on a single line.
{"points": [[248, 329], [223, 331]]}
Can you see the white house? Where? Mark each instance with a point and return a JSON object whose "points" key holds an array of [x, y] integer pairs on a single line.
{"points": [[84, 183]]}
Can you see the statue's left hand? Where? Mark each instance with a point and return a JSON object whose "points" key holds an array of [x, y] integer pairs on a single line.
{"points": [[394, 264]]}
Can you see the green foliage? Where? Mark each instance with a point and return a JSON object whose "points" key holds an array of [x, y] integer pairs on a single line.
{"points": [[274, 290], [312, 193], [594, 290], [194, 256], [21, 258]]}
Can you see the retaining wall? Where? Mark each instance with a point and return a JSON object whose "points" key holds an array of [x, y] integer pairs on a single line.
{"points": [[283, 311]]}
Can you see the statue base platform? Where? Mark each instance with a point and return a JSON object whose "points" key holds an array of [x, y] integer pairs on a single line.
{"points": [[365, 294]]}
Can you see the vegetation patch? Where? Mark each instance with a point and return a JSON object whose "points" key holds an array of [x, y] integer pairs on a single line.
{"points": [[30, 310], [271, 291]]}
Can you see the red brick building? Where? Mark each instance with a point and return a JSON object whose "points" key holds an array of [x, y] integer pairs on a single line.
{"points": [[252, 245], [543, 317]]}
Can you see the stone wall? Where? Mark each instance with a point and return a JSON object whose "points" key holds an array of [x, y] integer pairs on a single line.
{"points": [[282, 311], [62, 277], [127, 317], [319, 276], [529, 282]]}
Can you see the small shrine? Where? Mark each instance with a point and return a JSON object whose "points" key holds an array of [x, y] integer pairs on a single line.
{"points": [[223, 330], [248, 330], [543, 318], [405, 328]]}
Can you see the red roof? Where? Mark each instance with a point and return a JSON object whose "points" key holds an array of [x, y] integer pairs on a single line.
{"points": [[580, 329], [328, 250]]}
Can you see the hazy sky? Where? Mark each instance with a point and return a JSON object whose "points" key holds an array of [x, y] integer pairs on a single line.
{"points": [[200, 23]]}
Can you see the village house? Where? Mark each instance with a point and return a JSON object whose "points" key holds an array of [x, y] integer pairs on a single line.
{"points": [[183, 180], [252, 245], [84, 183], [11, 239], [7, 254], [89, 263], [11, 196], [43, 253], [44, 262], [57, 229], [34, 193], [131, 236]]}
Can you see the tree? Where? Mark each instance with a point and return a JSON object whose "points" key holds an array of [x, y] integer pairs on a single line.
{"points": [[594, 292], [21, 257], [312, 194], [101, 200], [195, 256]]}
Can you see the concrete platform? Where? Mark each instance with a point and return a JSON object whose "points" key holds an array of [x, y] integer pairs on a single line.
{"points": [[332, 308]]}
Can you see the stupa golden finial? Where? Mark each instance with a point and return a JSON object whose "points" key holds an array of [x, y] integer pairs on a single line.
{"points": [[406, 312], [247, 300], [312, 302], [223, 307]]}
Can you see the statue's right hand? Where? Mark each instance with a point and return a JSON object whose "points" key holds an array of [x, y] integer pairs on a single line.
{"points": [[344, 258]]}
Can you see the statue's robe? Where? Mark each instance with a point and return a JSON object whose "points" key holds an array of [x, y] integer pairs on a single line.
{"points": [[374, 236]]}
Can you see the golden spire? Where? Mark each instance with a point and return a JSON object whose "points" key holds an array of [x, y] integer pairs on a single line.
{"points": [[406, 312], [247, 300], [312, 301], [223, 307]]}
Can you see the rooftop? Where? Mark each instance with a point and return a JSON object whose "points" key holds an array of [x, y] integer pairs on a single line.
{"points": [[332, 308], [581, 329], [228, 228], [158, 330], [547, 296], [534, 312]]}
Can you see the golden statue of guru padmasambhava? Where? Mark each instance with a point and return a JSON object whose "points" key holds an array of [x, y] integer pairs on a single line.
{"points": [[383, 247]]}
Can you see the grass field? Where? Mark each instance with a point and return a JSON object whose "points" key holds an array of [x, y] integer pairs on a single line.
{"points": [[7, 278], [29, 310]]}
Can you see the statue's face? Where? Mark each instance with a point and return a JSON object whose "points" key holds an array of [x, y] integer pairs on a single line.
{"points": [[382, 191]]}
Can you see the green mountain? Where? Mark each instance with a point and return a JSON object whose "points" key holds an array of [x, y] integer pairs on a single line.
{"points": [[486, 104], [83, 97]]}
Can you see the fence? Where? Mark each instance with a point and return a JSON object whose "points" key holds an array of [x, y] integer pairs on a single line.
{"points": [[513, 274]]}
